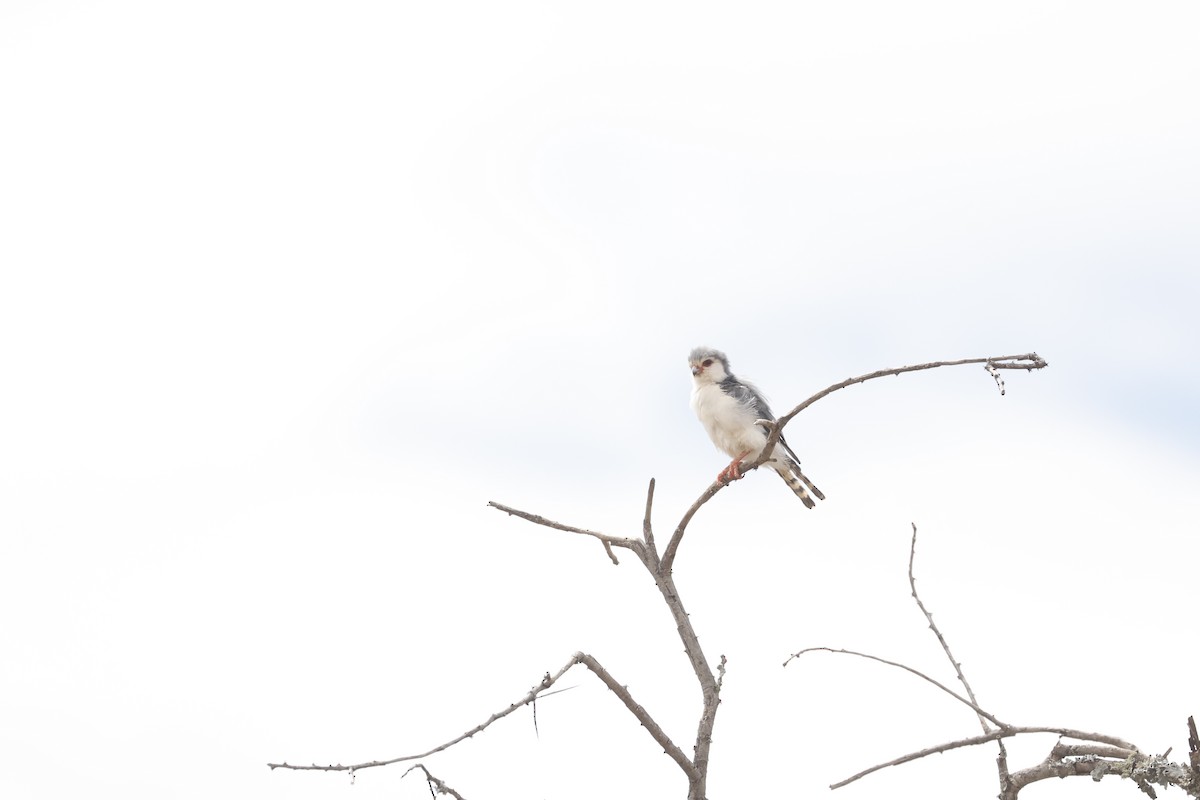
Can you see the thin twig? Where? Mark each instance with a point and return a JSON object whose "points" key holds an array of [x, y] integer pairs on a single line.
{"points": [[1026, 361], [546, 682], [608, 541], [533, 710], [979, 711], [434, 782], [1002, 756], [912, 583], [643, 716], [647, 529], [991, 736]]}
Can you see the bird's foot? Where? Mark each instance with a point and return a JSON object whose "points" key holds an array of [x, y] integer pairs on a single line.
{"points": [[734, 471]]}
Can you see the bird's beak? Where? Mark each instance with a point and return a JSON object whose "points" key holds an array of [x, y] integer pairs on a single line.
{"points": [[697, 369]]}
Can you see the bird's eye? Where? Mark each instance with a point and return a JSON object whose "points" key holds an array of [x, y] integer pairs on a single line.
{"points": [[707, 362]]}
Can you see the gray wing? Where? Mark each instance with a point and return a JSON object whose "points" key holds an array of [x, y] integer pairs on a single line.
{"points": [[749, 396]]}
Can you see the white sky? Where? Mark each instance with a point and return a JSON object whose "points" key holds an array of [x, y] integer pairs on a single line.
{"points": [[291, 290]]}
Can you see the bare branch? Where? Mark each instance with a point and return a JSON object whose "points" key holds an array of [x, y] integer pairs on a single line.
{"points": [[647, 529], [608, 541], [434, 782], [1093, 766], [668, 558], [1193, 745], [1098, 760], [710, 686], [643, 716], [978, 711], [1006, 785], [1086, 759], [659, 570], [912, 582], [652, 727], [1026, 361], [1063, 749], [991, 736], [546, 682]]}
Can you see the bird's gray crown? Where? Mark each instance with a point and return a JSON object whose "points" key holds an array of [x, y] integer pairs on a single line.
{"points": [[700, 353]]}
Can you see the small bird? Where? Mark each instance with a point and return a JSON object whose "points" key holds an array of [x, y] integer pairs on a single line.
{"points": [[731, 410]]}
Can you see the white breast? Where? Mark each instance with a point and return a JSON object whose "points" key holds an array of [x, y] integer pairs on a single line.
{"points": [[729, 424]]}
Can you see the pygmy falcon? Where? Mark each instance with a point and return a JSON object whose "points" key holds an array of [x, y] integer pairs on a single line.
{"points": [[732, 411]]}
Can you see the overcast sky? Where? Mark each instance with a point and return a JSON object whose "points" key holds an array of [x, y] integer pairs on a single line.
{"points": [[289, 291]]}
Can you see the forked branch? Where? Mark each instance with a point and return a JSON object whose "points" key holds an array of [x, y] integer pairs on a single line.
{"points": [[1094, 754], [549, 680], [609, 542], [996, 735], [546, 682], [436, 784], [696, 769]]}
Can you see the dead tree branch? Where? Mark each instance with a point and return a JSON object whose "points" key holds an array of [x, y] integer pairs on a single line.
{"points": [[608, 541], [1095, 754], [1002, 755], [546, 682], [912, 582], [1026, 361], [647, 528], [668, 557], [1003, 733], [435, 784], [1193, 746], [969, 703], [549, 680], [1096, 761], [660, 569], [696, 769]]}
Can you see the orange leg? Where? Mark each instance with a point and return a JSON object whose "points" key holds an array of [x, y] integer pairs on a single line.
{"points": [[733, 472]]}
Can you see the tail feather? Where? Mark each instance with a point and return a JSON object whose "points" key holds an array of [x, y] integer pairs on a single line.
{"points": [[794, 478], [811, 486]]}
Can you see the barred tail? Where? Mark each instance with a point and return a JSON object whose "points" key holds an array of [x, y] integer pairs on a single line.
{"points": [[795, 479], [811, 486]]}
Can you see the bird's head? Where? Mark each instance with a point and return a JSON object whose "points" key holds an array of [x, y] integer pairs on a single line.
{"points": [[708, 365]]}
